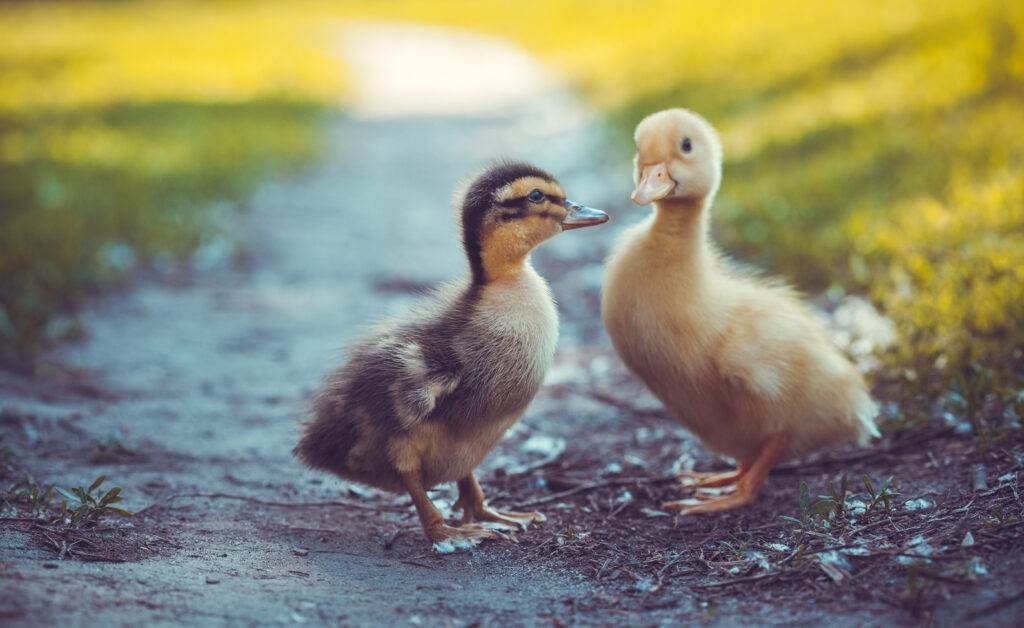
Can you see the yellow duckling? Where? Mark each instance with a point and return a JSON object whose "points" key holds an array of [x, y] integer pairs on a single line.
{"points": [[738, 360], [426, 397]]}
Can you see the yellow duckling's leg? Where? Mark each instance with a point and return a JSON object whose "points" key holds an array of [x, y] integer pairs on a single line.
{"points": [[474, 507], [432, 520], [747, 489]]}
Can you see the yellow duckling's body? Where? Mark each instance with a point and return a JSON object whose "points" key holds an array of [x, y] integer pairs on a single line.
{"points": [[738, 360], [424, 399]]}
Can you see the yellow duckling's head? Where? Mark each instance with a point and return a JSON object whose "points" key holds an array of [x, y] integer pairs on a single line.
{"points": [[678, 159], [510, 209]]}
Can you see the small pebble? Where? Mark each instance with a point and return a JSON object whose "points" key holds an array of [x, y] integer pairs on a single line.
{"points": [[298, 551], [979, 480], [50, 565], [212, 580]]}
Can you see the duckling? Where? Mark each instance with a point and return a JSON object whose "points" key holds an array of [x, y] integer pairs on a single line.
{"points": [[739, 360], [424, 399]]}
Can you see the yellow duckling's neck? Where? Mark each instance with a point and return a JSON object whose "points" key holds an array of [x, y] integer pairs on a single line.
{"points": [[682, 228]]}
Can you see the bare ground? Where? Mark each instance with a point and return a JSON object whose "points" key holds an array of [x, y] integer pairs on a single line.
{"points": [[188, 392]]}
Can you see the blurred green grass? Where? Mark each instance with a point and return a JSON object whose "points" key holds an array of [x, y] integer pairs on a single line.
{"points": [[871, 147], [129, 129], [919, 207], [93, 195]]}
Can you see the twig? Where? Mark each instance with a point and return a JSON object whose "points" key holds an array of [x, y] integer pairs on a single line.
{"points": [[540, 464], [416, 563], [97, 558], [862, 455], [263, 502], [726, 583], [622, 404], [590, 486], [998, 605]]}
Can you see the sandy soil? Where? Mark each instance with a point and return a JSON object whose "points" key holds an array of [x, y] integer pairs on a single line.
{"points": [[204, 379]]}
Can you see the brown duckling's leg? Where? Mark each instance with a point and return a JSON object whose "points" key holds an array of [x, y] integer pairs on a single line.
{"points": [[432, 520], [474, 507], [747, 488]]}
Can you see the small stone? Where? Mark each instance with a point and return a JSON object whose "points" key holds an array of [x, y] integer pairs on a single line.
{"points": [[212, 580], [979, 480], [50, 565], [650, 512], [300, 551]]}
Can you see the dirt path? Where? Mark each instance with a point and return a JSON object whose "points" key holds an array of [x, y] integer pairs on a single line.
{"points": [[205, 383]]}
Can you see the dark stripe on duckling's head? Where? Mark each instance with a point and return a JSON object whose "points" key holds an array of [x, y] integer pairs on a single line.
{"points": [[481, 197]]}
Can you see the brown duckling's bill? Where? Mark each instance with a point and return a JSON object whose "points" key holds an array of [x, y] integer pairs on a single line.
{"points": [[582, 216]]}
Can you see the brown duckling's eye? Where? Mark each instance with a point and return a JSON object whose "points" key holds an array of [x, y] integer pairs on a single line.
{"points": [[687, 145], [535, 196]]}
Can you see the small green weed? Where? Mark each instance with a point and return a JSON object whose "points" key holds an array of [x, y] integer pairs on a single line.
{"points": [[883, 498], [998, 517], [835, 510], [85, 507], [30, 495], [110, 449]]}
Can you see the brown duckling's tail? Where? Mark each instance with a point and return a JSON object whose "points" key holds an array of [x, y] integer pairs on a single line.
{"points": [[326, 442]]}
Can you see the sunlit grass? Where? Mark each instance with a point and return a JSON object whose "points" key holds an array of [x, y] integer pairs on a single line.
{"points": [[92, 195], [872, 146], [862, 139], [61, 55], [125, 126]]}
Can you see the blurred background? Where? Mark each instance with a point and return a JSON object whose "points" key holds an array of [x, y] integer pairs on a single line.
{"points": [[872, 148]]}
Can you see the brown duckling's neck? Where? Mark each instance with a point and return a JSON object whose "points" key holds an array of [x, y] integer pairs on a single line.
{"points": [[685, 224], [500, 268]]}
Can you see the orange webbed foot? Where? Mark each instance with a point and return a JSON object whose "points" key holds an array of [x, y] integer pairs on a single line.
{"points": [[724, 493], [508, 518], [448, 539], [697, 479]]}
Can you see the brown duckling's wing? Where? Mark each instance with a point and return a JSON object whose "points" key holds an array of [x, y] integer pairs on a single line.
{"points": [[419, 384]]}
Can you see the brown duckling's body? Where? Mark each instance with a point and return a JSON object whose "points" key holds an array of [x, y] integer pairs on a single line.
{"points": [[425, 398]]}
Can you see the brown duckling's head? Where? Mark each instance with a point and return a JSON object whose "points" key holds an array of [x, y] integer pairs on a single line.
{"points": [[678, 159], [510, 209]]}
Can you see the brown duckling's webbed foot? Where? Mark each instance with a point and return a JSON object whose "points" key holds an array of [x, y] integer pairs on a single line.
{"points": [[474, 508], [445, 537], [742, 493]]}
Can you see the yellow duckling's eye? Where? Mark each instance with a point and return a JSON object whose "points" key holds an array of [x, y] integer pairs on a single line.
{"points": [[535, 196], [687, 145]]}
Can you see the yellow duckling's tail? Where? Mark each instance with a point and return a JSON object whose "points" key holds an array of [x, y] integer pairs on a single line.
{"points": [[866, 411]]}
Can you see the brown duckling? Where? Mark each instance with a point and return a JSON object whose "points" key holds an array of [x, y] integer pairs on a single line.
{"points": [[424, 399]]}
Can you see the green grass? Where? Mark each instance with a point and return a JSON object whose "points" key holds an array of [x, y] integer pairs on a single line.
{"points": [[919, 206], [91, 196]]}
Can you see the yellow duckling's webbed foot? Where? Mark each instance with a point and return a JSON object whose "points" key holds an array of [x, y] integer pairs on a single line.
{"points": [[474, 508], [743, 492], [697, 479], [512, 519]]}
